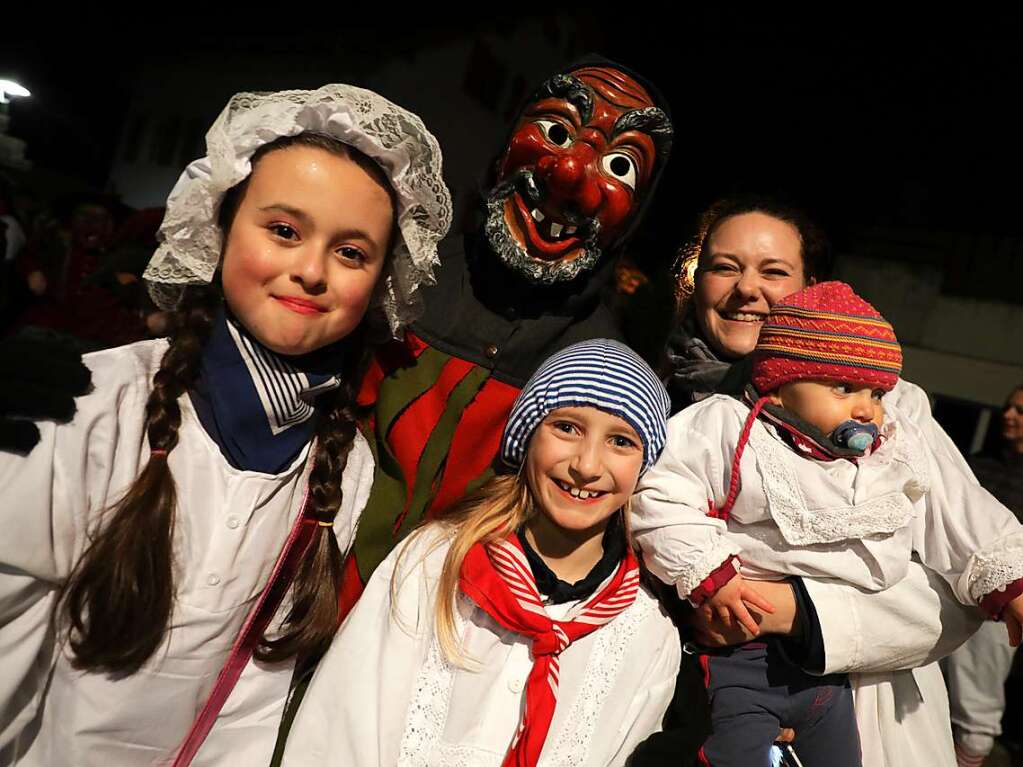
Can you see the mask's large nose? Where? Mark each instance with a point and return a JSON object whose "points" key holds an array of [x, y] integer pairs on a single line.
{"points": [[570, 178]]}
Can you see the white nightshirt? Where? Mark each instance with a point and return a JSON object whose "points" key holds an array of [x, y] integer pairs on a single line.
{"points": [[385, 695], [230, 528]]}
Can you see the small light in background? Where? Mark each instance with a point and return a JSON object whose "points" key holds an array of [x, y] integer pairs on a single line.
{"points": [[12, 150], [11, 88]]}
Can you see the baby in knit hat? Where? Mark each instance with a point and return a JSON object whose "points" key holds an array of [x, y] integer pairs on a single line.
{"points": [[812, 475]]}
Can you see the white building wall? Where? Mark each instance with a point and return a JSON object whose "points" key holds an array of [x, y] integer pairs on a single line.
{"points": [[959, 347]]}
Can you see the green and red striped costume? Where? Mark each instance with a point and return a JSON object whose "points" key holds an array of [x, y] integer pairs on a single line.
{"points": [[439, 401], [435, 430]]}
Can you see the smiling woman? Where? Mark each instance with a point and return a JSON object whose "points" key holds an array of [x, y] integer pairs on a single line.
{"points": [[749, 252], [909, 625], [748, 262]]}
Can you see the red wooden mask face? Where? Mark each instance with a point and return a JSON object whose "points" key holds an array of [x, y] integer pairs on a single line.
{"points": [[575, 171]]}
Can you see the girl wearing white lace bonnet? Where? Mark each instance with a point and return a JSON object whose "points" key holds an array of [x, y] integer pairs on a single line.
{"points": [[204, 465]]}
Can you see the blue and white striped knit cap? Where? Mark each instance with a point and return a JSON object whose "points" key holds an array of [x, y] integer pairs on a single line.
{"points": [[600, 373]]}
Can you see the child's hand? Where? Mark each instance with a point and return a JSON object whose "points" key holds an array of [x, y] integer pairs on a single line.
{"points": [[1013, 617], [729, 603], [709, 631]]}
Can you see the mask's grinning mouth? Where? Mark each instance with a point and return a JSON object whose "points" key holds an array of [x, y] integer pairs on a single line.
{"points": [[525, 196]]}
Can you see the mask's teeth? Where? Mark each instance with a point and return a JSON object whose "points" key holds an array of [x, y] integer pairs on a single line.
{"points": [[555, 229], [570, 230], [537, 215]]}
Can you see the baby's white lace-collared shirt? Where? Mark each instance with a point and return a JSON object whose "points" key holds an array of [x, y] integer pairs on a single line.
{"points": [[857, 522]]}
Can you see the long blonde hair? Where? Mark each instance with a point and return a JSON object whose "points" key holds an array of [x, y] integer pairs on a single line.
{"points": [[492, 513]]}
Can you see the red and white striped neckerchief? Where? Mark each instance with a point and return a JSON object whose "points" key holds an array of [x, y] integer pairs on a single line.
{"points": [[497, 577]]}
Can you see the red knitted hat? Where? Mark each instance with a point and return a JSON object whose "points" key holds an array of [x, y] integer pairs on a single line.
{"points": [[826, 331]]}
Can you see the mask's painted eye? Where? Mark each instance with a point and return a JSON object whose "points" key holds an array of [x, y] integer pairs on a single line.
{"points": [[555, 132], [620, 166]]}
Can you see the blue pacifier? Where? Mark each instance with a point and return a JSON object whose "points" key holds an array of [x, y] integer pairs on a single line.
{"points": [[855, 435]]}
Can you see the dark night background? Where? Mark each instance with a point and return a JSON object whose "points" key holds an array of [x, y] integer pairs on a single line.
{"points": [[869, 119], [899, 133]]}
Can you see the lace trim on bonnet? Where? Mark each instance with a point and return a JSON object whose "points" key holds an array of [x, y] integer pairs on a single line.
{"points": [[191, 242]]}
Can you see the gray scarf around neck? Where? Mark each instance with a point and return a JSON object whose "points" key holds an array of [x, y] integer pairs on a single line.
{"points": [[696, 372]]}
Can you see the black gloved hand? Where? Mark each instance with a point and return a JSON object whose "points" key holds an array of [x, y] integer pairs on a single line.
{"points": [[40, 375]]}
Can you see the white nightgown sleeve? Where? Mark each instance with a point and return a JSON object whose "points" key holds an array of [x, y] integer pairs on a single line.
{"points": [[680, 543], [49, 497]]}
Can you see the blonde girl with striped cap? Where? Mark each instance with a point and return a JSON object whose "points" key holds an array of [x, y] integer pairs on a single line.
{"points": [[516, 631]]}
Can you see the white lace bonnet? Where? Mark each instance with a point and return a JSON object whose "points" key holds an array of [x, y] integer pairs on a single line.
{"points": [[190, 240]]}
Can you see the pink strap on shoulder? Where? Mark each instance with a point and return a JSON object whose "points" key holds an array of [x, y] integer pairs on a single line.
{"points": [[249, 638]]}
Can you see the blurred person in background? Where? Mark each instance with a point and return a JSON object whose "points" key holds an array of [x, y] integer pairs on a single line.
{"points": [[976, 673], [12, 241], [77, 290]]}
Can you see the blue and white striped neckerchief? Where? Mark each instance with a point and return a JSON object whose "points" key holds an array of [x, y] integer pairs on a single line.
{"points": [[257, 405]]}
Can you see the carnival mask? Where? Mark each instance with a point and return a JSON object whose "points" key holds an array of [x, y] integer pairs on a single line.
{"points": [[578, 166]]}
